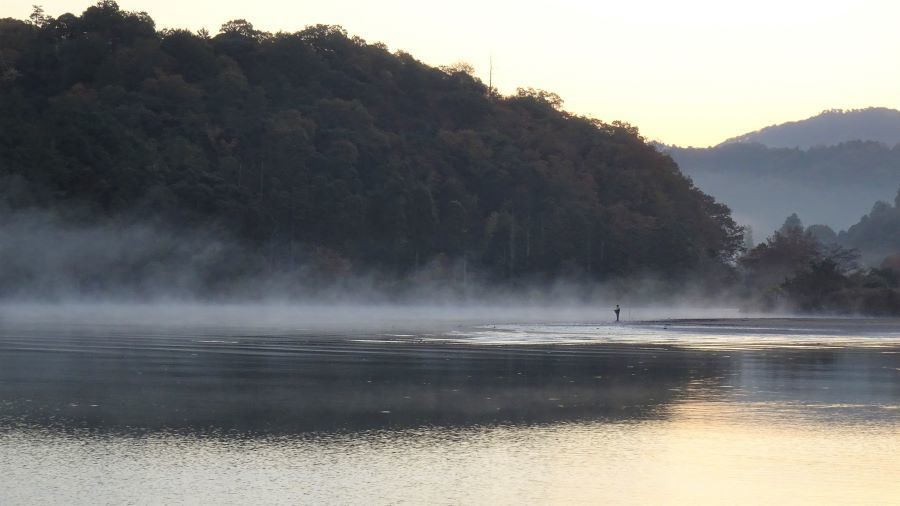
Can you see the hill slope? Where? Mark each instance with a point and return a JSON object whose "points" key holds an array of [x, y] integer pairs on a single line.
{"points": [[832, 127], [831, 184], [827, 168], [317, 146], [877, 234]]}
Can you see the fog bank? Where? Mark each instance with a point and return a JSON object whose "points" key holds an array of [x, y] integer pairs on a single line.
{"points": [[44, 258]]}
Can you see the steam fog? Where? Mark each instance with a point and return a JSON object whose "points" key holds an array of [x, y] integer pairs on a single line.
{"points": [[125, 265]]}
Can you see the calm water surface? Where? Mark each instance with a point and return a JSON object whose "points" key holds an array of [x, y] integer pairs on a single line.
{"points": [[753, 411]]}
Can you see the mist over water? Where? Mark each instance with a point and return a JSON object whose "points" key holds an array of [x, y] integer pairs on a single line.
{"points": [[45, 257], [50, 258]]}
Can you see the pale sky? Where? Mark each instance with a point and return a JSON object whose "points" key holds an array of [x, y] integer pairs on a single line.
{"points": [[690, 72]]}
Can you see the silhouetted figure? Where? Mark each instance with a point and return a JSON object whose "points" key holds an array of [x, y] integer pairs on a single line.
{"points": [[616, 310]]}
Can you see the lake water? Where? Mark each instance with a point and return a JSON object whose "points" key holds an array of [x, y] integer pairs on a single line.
{"points": [[154, 407]]}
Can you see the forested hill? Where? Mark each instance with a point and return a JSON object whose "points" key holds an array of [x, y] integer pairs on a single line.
{"points": [[318, 144], [830, 184], [828, 168], [877, 235], [877, 124]]}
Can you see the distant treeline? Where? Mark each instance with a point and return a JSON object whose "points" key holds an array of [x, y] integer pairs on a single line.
{"points": [[851, 162], [316, 145], [812, 269], [877, 235], [874, 238], [833, 184]]}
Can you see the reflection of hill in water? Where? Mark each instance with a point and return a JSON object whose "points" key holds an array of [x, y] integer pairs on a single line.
{"points": [[140, 379], [285, 385]]}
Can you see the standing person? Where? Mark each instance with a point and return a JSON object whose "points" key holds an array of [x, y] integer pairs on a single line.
{"points": [[616, 310]]}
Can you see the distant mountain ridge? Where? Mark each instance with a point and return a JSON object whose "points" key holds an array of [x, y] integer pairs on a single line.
{"points": [[831, 127], [828, 168]]}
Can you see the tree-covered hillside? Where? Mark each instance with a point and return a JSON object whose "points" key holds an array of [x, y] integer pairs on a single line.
{"points": [[841, 164], [877, 235], [316, 144], [831, 184]]}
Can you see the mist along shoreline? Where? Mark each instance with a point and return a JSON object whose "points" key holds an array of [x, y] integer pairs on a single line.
{"points": [[351, 313], [358, 318]]}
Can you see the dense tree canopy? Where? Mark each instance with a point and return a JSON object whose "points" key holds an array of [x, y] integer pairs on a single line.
{"points": [[317, 142]]}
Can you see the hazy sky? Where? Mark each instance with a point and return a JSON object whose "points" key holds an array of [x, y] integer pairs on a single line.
{"points": [[689, 72]]}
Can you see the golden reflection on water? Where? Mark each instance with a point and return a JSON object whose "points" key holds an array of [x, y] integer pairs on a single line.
{"points": [[700, 452], [717, 452]]}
